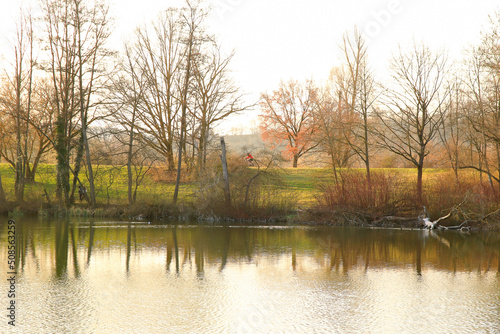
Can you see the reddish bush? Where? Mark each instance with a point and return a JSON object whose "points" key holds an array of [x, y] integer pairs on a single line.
{"points": [[388, 193], [392, 193], [476, 197]]}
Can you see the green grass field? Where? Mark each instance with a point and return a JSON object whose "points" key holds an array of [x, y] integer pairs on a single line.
{"points": [[301, 184], [110, 183]]}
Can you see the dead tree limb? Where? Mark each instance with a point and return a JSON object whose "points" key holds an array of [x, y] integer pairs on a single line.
{"points": [[432, 225], [395, 219], [428, 223]]}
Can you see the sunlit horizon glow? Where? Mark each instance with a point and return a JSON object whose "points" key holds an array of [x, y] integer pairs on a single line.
{"points": [[283, 40]]}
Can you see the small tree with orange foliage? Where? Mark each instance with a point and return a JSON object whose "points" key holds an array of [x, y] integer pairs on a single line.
{"points": [[287, 117]]}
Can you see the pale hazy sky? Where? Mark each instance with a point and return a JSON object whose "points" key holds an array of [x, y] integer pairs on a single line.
{"points": [[298, 39]]}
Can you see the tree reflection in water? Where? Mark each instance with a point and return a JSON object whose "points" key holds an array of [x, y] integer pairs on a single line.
{"points": [[336, 249]]}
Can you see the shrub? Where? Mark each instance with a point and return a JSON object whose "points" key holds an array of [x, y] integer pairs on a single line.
{"points": [[256, 192], [388, 193], [476, 198]]}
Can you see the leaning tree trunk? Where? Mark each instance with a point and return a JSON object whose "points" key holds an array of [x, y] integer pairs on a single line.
{"points": [[183, 114], [85, 142], [89, 166], [62, 150], [76, 171]]}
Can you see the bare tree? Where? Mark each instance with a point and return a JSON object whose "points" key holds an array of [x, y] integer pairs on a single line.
{"points": [[36, 132], [344, 110], [216, 97], [476, 114], [193, 19], [359, 95], [157, 58], [92, 31], [16, 99], [452, 132], [413, 112], [483, 104], [331, 119], [61, 65], [174, 86], [76, 32], [128, 89]]}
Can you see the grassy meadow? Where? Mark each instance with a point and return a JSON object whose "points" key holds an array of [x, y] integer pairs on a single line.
{"points": [[110, 182]]}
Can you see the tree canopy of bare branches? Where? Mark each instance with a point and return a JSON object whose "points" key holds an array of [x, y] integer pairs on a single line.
{"points": [[413, 111]]}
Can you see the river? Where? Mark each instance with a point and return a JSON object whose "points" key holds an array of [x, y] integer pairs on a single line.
{"points": [[139, 277]]}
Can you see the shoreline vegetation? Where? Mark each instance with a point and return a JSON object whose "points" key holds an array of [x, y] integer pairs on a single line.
{"points": [[309, 196]]}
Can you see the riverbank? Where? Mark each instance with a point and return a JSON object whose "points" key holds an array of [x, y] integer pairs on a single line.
{"points": [[189, 213], [312, 196]]}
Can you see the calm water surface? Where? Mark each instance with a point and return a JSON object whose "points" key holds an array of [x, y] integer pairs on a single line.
{"points": [[115, 277]]}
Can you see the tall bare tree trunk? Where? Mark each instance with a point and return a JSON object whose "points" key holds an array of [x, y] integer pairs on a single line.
{"points": [[360, 91], [415, 110], [367, 152], [420, 173], [19, 181], [22, 106], [185, 90], [83, 107]]}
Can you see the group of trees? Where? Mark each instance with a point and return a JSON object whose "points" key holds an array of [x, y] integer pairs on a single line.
{"points": [[65, 96], [430, 107], [67, 92]]}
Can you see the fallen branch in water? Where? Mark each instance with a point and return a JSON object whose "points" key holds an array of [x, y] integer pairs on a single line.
{"points": [[485, 217], [432, 225], [393, 219], [427, 223]]}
